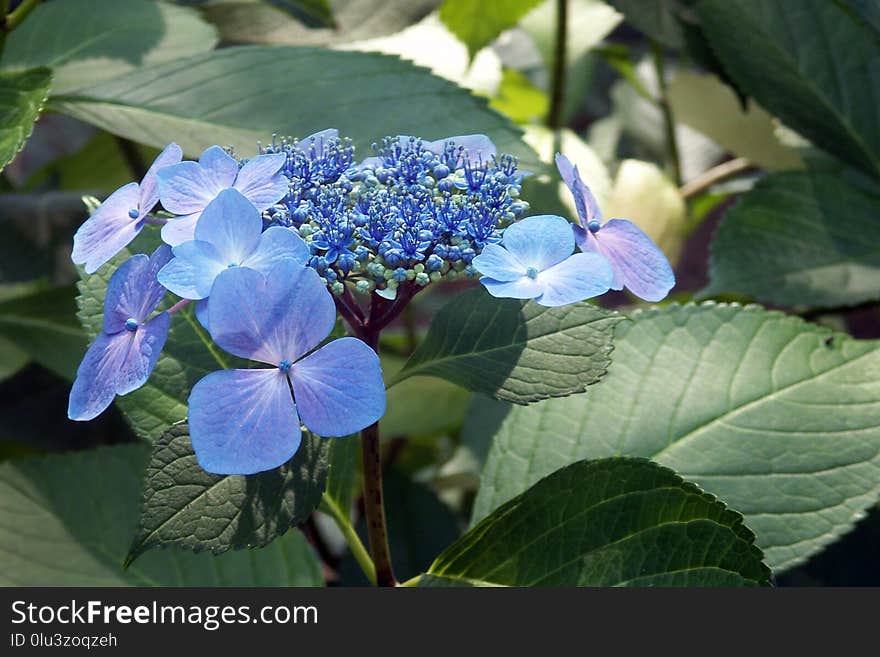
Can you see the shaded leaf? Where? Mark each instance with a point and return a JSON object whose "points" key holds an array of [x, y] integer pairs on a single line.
{"points": [[22, 95], [477, 24]]}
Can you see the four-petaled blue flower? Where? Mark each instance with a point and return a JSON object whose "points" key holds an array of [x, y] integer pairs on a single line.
{"points": [[536, 262], [119, 219], [636, 261], [188, 187], [122, 357], [248, 421]]}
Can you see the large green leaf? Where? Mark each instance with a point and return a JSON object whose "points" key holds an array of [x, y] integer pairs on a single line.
{"points": [[811, 63], [43, 324], [237, 96], [477, 24], [184, 505], [775, 416], [800, 239], [610, 522], [86, 41], [656, 18], [521, 352], [22, 95], [67, 520]]}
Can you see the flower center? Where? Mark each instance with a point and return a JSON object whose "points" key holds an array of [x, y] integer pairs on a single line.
{"points": [[133, 213], [532, 273], [593, 226], [131, 324], [231, 265], [285, 366]]}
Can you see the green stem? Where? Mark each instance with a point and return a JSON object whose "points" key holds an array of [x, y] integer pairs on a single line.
{"points": [[557, 83], [351, 537], [14, 19], [672, 153], [412, 582]]}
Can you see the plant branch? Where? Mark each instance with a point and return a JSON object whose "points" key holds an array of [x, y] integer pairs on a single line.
{"points": [[14, 18], [672, 153], [354, 541], [557, 83], [714, 175]]}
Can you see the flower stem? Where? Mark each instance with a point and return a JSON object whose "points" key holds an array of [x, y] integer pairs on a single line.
{"points": [[354, 541], [672, 153], [557, 84], [14, 19]]}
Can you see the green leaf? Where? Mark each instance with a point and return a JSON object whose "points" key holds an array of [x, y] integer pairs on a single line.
{"points": [[775, 416], [12, 358], [520, 352], [237, 96], [657, 19], [866, 10], [184, 505], [68, 520], [43, 325], [86, 41], [800, 239], [342, 458], [477, 24], [313, 13], [810, 63], [519, 99], [610, 522], [22, 95]]}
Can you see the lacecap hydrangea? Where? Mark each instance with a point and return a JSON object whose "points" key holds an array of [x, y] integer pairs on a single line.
{"points": [[271, 248]]}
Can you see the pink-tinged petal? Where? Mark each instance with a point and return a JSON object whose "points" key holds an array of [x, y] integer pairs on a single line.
{"points": [[260, 181], [339, 388], [277, 244], [270, 318], [637, 262], [540, 241], [110, 229], [150, 185], [578, 277], [232, 224], [134, 290], [181, 229], [243, 421], [586, 204], [192, 271], [521, 288], [147, 343], [499, 263]]}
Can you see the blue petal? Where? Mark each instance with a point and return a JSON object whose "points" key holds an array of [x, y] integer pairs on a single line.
{"points": [[243, 421], [586, 204], [150, 185], [521, 288], [270, 318], [108, 230], [540, 241], [192, 271], [339, 388], [319, 139], [260, 181], [578, 277], [276, 244], [498, 263], [203, 314], [232, 224], [219, 165], [134, 290], [637, 262], [477, 147], [180, 229], [149, 339], [188, 187]]}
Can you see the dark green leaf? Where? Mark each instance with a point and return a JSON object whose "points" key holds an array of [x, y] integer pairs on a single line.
{"points": [[810, 63], [477, 24], [313, 13], [68, 520], [800, 239], [866, 10], [656, 18], [12, 358], [86, 41], [237, 96], [342, 457], [775, 416], [610, 522], [22, 95], [184, 505], [521, 352]]}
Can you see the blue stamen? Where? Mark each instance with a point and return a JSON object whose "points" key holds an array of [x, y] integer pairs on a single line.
{"points": [[594, 226], [133, 213], [532, 273], [285, 366], [131, 324]]}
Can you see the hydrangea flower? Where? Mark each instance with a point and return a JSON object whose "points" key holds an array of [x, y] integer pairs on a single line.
{"points": [[450, 149], [122, 357], [636, 261], [247, 421], [536, 262], [188, 187], [229, 234], [119, 219]]}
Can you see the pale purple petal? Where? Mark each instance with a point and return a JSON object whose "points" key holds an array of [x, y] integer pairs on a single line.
{"points": [[339, 388], [192, 271], [95, 385], [146, 345], [499, 263], [232, 224], [188, 187], [243, 421], [540, 241], [276, 244], [369, 163], [578, 277], [219, 165], [586, 204], [150, 185], [180, 229], [108, 230], [521, 288], [637, 262], [318, 139], [260, 181], [134, 291], [477, 147], [270, 318]]}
